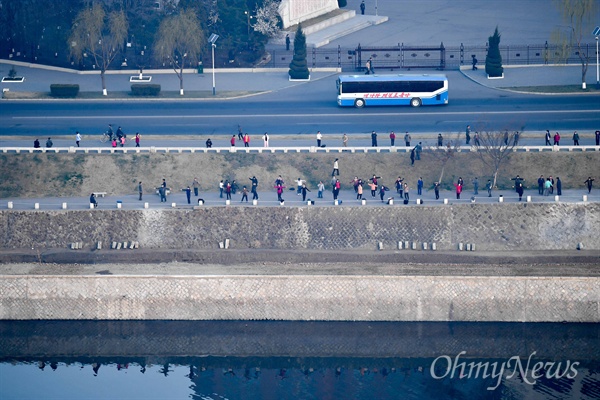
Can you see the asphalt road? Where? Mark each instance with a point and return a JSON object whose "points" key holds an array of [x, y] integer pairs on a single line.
{"points": [[304, 109]]}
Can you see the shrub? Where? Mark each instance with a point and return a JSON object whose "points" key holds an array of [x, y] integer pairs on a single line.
{"points": [[145, 89], [299, 66], [64, 90], [493, 61]]}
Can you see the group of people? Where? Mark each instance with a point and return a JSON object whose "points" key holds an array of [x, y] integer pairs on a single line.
{"points": [[554, 140]]}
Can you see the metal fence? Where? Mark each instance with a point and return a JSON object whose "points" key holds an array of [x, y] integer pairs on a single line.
{"points": [[398, 57], [439, 57]]}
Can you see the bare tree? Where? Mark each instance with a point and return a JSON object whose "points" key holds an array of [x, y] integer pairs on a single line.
{"points": [[580, 16], [446, 152], [100, 35], [179, 40], [495, 148], [267, 18]]}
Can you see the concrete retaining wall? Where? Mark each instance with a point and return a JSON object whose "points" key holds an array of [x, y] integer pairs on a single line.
{"points": [[551, 226], [328, 298]]}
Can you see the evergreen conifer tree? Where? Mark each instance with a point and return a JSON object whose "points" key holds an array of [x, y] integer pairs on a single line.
{"points": [[299, 66], [493, 60]]}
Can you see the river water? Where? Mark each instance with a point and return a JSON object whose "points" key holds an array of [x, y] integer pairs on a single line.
{"points": [[297, 360]]}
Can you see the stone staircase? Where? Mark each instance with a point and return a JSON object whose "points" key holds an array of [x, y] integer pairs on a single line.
{"points": [[321, 30]]}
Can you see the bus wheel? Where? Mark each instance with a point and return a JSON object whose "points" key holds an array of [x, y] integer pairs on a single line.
{"points": [[415, 102], [359, 103]]}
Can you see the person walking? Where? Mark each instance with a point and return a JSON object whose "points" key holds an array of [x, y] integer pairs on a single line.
{"points": [[516, 138], [77, 138], [221, 188], [196, 186], [320, 189], [557, 139], [188, 194], [362, 7], [476, 138], [138, 137], [506, 137], [418, 150], [287, 42], [420, 186], [551, 179], [475, 186], [373, 139], [246, 140], [588, 182], [412, 157], [232, 141], [299, 184], [436, 190], [266, 140], [406, 189], [240, 133], [575, 138], [597, 133], [140, 190], [392, 138], [407, 139], [336, 169], [558, 186], [488, 186], [474, 63], [319, 138], [244, 194], [336, 189], [440, 140], [345, 140], [468, 134], [547, 137]]}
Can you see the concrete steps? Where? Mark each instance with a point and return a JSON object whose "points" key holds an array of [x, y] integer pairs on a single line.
{"points": [[323, 36]]}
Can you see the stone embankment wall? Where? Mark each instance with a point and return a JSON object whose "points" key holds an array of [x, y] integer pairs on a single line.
{"points": [[551, 226], [326, 298]]}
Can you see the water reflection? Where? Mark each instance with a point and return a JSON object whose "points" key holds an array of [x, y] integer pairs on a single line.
{"points": [[294, 360]]}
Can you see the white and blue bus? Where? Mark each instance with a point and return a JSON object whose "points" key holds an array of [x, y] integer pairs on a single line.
{"points": [[392, 90]]}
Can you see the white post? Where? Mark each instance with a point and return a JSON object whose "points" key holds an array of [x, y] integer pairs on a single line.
{"points": [[500, 199], [557, 198], [445, 201], [254, 202], [363, 202], [36, 206], [529, 199], [146, 205], [585, 197], [173, 205], [213, 68], [227, 202], [10, 204], [64, 206]]}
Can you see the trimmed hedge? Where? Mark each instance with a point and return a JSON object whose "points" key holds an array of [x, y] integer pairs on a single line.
{"points": [[145, 89], [64, 90]]}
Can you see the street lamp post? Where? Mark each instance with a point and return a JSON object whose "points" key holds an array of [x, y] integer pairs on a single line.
{"points": [[212, 39], [597, 33]]}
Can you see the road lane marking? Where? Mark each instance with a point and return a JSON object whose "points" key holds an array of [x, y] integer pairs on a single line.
{"points": [[378, 115]]}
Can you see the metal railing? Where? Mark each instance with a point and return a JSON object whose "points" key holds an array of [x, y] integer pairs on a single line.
{"points": [[288, 149]]}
